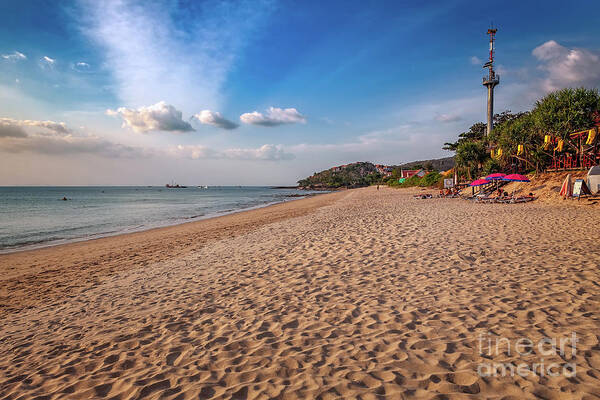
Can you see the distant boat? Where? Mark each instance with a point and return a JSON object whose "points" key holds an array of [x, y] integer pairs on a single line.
{"points": [[174, 185], [203, 187]]}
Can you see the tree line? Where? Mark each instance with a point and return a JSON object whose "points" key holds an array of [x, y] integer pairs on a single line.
{"points": [[521, 136]]}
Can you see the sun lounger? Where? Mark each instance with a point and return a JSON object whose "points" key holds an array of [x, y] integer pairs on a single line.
{"points": [[484, 199], [523, 199], [514, 200]]}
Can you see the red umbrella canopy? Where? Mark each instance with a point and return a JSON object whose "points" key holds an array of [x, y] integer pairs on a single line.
{"points": [[516, 178], [479, 182], [496, 176]]}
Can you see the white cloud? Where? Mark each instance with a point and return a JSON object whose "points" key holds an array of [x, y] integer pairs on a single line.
{"points": [[567, 67], [47, 61], [158, 117], [267, 152], [549, 50], [215, 119], [194, 152], [166, 51], [273, 117], [56, 127], [15, 56], [475, 60], [81, 66]]}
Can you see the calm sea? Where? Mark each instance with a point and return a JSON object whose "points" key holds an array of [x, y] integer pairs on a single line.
{"points": [[37, 216]]}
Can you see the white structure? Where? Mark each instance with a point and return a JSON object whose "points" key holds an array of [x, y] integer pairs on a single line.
{"points": [[593, 179]]}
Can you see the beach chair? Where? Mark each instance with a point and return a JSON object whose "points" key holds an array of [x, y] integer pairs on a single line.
{"points": [[523, 199], [483, 199]]}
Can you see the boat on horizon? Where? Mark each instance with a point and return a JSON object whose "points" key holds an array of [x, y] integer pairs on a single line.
{"points": [[174, 185]]}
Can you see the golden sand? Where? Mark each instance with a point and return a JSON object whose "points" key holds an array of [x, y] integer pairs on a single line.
{"points": [[357, 294]]}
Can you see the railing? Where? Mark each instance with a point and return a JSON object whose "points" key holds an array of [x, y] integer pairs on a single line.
{"points": [[573, 162], [495, 78]]}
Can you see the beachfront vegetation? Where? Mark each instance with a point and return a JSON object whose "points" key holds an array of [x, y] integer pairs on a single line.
{"points": [[558, 114], [432, 178]]}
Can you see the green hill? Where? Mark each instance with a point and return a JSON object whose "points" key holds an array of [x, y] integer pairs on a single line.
{"points": [[365, 173], [349, 175]]}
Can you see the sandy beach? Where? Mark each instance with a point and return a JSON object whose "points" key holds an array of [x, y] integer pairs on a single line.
{"points": [[355, 294]]}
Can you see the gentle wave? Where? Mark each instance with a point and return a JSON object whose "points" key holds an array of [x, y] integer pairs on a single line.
{"points": [[33, 217]]}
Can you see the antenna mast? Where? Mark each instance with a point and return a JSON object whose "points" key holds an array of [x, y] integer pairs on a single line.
{"points": [[491, 81]]}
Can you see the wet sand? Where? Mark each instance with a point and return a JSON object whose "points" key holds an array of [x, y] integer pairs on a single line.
{"points": [[356, 294]]}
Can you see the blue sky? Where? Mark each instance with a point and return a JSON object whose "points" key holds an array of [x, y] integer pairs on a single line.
{"points": [[264, 92]]}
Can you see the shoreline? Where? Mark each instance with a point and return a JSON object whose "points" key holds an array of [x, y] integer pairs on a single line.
{"points": [[101, 256], [186, 220]]}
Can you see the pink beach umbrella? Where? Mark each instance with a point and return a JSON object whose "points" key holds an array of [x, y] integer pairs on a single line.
{"points": [[495, 177], [479, 182], [516, 178]]}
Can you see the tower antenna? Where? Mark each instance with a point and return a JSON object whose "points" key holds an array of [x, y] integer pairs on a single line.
{"points": [[491, 81]]}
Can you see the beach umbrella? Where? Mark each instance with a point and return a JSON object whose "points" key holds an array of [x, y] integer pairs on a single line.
{"points": [[495, 177], [516, 178], [479, 182]]}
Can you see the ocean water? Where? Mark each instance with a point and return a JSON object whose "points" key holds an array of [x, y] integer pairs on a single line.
{"points": [[37, 216]]}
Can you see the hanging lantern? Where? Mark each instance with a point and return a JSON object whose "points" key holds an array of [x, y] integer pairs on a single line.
{"points": [[547, 142], [560, 145], [591, 136], [520, 149]]}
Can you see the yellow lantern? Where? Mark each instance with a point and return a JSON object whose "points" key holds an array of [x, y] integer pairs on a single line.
{"points": [[591, 136], [547, 142], [560, 145], [520, 149]]}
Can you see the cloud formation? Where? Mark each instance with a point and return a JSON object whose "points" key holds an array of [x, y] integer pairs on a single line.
{"points": [[63, 145], [158, 117], [567, 67], [8, 129], [55, 138], [214, 118], [267, 152], [173, 51], [47, 61], [56, 127], [273, 117], [81, 66], [15, 56], [194, 152]]}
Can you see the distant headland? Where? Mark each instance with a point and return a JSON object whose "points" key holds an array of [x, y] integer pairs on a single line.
{"points": [[364, 173]]}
